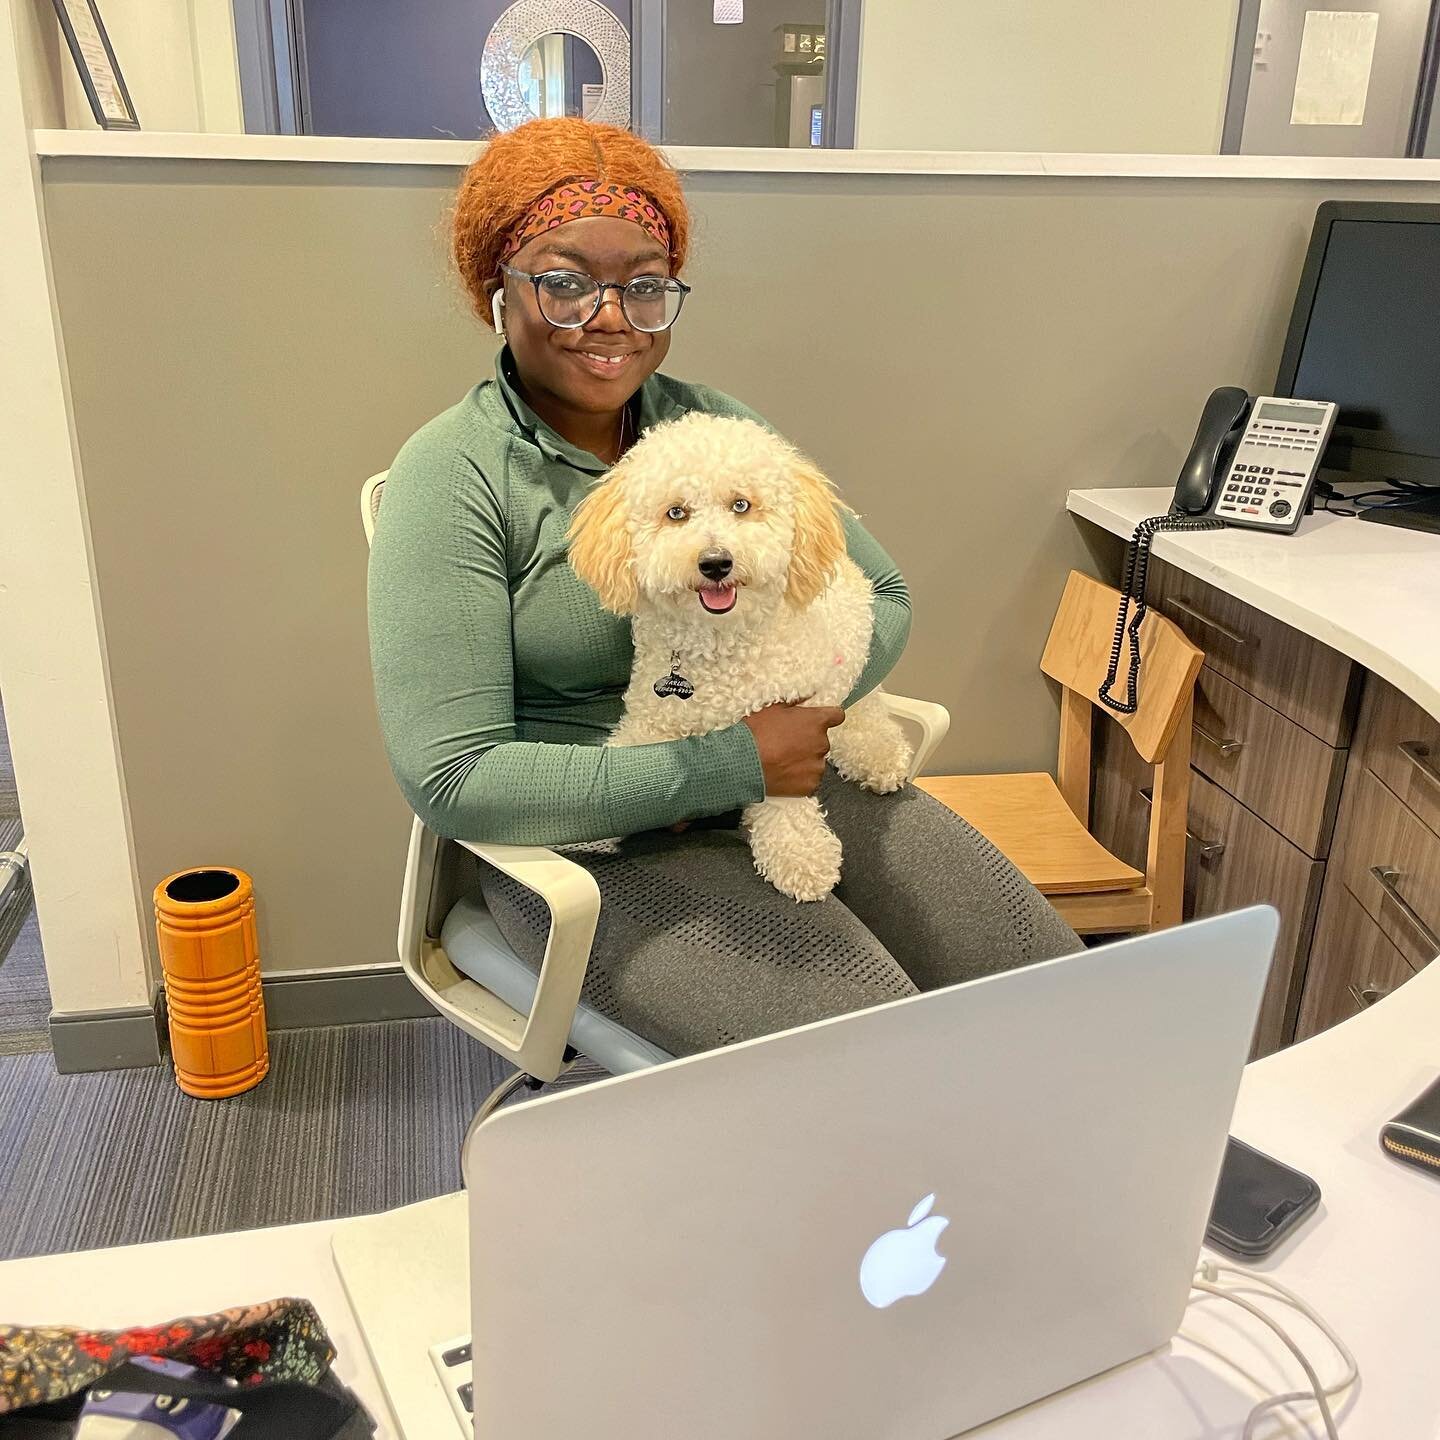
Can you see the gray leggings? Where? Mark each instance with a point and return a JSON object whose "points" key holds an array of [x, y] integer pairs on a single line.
{"points": [[695, 950]]}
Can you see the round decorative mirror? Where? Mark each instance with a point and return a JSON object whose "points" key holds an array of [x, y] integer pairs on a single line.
{"points": [[544, 58]]}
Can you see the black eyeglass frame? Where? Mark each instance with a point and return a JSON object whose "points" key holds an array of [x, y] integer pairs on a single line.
{"points": [[601, 288]]}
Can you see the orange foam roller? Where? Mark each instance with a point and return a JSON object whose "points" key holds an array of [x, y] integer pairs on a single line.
{"points": [[205, 921]]}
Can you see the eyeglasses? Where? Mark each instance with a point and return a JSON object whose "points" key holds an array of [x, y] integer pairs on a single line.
{"points": [[569, 300]]}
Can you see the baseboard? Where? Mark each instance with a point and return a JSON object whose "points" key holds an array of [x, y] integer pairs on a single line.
{"points": [[342, 997], [107, 1039], [126, 1039]]}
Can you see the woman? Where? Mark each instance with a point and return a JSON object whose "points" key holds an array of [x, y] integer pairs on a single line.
{"points": [[498, 676]]}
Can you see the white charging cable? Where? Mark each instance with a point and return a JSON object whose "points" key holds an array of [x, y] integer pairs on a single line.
{"points": [[1320, 1395]]}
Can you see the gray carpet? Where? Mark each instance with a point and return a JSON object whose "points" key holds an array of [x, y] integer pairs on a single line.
{"points": [[9, 799], [24, 993], [349, 1121]]}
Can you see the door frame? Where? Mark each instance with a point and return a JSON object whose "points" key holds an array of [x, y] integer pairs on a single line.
{"points": [[270, 55], [647, 68], [843, 25]]}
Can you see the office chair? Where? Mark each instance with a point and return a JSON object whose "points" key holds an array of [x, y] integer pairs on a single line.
{"points": [[454, 954]]}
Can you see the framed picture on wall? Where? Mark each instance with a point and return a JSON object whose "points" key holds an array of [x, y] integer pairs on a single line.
{"points": [[95, 60]]}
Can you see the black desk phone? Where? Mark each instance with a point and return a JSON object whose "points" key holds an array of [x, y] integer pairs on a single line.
{"points": [[1253, 462]]}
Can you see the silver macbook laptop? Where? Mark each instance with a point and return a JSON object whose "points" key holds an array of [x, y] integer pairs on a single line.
{"points": [[895, 1224]]}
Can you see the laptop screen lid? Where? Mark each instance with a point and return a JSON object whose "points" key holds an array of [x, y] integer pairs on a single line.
{"points": [[900, 1222]]}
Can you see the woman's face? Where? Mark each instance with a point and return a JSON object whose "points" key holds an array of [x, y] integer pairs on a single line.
{"points": [[596, 369]]}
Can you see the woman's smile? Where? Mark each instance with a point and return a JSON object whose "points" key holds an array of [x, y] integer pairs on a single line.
{"points": [[606, 364]]}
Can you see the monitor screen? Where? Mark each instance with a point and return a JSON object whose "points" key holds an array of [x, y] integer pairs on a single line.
{"points": [[1366, 334]]}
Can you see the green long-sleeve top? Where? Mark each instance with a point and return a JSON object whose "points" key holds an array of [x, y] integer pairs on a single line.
{"points": [[497, 674]]}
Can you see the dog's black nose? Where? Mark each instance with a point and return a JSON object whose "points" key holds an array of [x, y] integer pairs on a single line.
{"points": [[715, 564]]}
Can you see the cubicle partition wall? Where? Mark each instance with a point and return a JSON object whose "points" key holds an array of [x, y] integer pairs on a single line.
{"points": [[247, 340]]}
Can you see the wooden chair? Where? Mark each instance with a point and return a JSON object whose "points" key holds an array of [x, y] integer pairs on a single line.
{"points": [[1041, 823]]}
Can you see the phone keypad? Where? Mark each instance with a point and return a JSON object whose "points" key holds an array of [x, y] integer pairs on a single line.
{"points": [[1270, 495]]}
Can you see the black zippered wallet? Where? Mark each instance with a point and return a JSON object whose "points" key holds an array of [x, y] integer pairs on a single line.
{"points": [[1413, 1136]]}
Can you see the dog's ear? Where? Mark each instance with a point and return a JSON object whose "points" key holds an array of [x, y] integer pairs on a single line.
{"points": [[819, 536], [600, 550]]}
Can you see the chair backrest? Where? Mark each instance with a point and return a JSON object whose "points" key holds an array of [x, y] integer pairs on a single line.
{"points": [[370, 493], [1078, 653]]}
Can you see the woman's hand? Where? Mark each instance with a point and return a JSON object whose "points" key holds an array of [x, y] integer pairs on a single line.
{"points": [[793, 741]]}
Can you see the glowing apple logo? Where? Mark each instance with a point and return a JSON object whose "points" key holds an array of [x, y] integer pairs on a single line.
{"points": [[904, 1262]]}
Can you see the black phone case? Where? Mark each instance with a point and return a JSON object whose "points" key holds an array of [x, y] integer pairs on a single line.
{"points": [[1258, 1202]]}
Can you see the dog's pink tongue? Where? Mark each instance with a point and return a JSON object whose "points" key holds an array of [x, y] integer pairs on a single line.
{"points": [[717, 599]]}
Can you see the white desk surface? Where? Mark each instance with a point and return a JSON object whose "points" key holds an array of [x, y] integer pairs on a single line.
{"points": [[1370, 591], [1368, 1261]]}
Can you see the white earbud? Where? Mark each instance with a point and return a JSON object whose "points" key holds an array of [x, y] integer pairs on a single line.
{"points": [[497, 312]]}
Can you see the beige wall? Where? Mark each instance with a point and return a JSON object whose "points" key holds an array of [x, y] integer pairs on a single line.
{"points": [[177, 58], [1108, 75], [247, 342]]}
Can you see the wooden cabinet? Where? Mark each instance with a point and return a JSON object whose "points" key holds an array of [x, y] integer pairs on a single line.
{"points": [[1232, 859], [1352, 965], [1304, 680], [1235, 859], [1304, 796], [1400, 745], [1390, 862], [1268, 762]]}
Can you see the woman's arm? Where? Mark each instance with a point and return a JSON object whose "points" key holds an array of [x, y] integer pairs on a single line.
{"points": [[440, 646], [892, 606]]}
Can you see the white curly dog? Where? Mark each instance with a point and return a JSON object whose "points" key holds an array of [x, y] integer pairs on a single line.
{"points": [[725, 545]]}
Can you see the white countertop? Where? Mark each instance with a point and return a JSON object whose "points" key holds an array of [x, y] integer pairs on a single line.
{"points": [[1366, 1260], [1371, 592], [693, 159]]}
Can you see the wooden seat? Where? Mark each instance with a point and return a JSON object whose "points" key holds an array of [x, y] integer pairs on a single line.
{"points": [[1026, 816], [1041, 822]]}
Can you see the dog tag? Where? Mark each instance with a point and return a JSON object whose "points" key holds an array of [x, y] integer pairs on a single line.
{"points": [[674, 685]]}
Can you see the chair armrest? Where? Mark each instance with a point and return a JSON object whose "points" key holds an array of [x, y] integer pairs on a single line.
{"points": [[536, 1042], [926, 717]]}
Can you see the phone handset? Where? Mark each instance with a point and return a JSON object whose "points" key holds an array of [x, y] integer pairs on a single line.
{"points": [[1222, 423]]}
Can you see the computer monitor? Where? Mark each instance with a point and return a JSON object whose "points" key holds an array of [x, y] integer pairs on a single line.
{"points": [[1365, 333]]}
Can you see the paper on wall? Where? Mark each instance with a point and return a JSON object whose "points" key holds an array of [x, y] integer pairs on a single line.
{"points": [[1333, 81]]}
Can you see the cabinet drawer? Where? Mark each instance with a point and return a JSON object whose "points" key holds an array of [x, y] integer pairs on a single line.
{"points": [[1287, 776], [1390, 863], [1301, 678], [1401, 745], [1352, 964], [1235, 859]]}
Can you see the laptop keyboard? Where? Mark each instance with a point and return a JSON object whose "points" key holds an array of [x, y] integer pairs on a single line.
{"points": [[452, 1362]]}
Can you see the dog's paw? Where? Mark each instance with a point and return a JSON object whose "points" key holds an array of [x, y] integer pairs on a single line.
{"points": [[798, 854], [880, 768], [883, 781], [803, 881]]}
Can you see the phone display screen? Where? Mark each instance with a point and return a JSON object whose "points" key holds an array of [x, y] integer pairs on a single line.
{"points": [[1292, 414]]}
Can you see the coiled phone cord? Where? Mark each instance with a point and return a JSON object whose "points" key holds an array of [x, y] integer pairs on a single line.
{"points": [[1132, 593]]}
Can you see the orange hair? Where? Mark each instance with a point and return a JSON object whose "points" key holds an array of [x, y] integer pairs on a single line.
{"points": [[517, 167]]}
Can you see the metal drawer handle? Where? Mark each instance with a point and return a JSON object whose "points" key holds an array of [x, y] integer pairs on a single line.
{"points": [[1386, 876], [1180, 603], [1419, 756], [1207, 849], [1226, 746], [1366, 995]]}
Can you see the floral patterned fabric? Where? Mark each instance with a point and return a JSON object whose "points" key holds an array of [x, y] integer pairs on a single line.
{"points": [[276, 1340]]}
